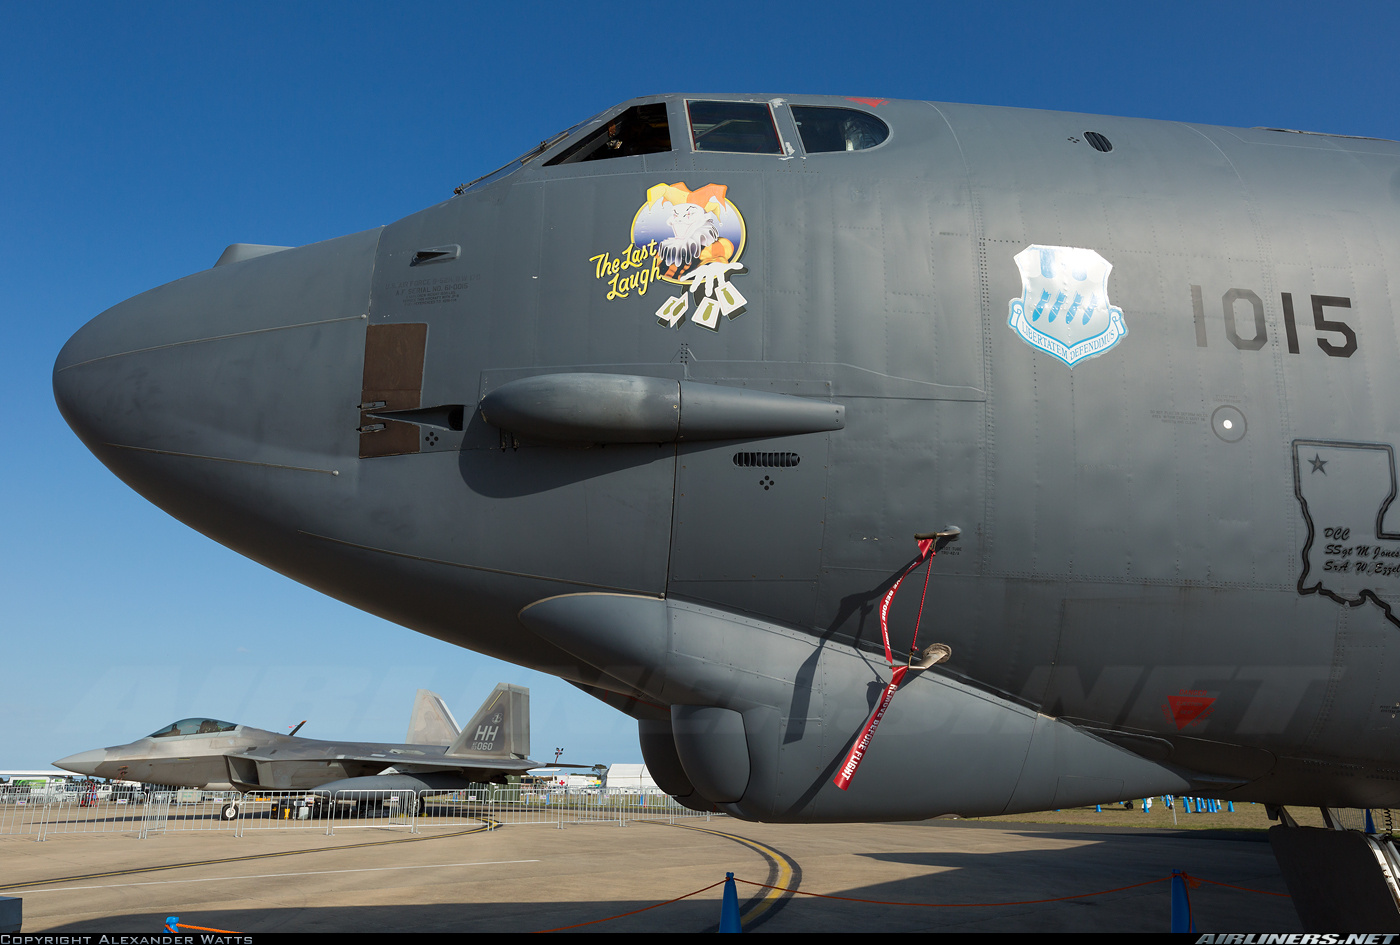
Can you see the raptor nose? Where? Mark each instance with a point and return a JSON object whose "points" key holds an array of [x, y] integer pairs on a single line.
{"points": [[84, 762]]}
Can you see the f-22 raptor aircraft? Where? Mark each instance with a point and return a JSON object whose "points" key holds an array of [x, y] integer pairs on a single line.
{"points": [[673, 404], [208, 753]]}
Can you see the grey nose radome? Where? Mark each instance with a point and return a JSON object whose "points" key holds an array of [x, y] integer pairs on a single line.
{"points": [[212, 395], [235, 362], [84, 762]]}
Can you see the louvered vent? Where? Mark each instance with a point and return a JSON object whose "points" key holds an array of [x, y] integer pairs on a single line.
{"points": [[1097, 141], [767, 459]]}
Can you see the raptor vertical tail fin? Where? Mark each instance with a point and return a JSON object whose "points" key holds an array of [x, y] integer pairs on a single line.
{"points": [[500, 728], [432, 722]]}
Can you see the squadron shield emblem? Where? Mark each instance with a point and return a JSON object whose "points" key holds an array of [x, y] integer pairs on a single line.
{"points": [[1063, 309]]}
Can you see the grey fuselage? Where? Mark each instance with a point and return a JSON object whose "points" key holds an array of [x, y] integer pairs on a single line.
{"points": [[248, 758], [1148, 591]]}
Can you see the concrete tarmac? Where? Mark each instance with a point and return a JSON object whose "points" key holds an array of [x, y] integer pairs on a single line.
{"points": [[536, 877]]}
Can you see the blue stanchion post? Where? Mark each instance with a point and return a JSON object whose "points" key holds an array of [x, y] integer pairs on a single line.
{"points": [[729, 907], [1370, 824], [1181, 904]]}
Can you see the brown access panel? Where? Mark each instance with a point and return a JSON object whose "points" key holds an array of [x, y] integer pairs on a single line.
{"points": [[393, 378]]}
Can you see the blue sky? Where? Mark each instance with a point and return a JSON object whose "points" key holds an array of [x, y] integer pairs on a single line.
{"points": [[137, 140]]}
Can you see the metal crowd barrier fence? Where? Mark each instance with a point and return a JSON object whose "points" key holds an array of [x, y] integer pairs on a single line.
{"points": [[501, 803], [1373, 820], [557, 806], [21, 811], [87, 812], [181, 810], [301, 810], [25, 813], [504, 804]]}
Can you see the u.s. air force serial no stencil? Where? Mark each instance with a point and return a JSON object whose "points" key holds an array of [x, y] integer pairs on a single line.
{"points": [[1063, 309]]}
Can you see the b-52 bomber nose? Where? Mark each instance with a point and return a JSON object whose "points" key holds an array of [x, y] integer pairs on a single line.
{"points": [[664, 407], [218, 395]]}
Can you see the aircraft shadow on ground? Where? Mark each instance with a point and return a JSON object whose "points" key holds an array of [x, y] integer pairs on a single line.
{"points": [[1099, 862], [952, 877]]}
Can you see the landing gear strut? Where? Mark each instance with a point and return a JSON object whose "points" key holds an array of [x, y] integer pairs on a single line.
{"points": [[1341, 880]]}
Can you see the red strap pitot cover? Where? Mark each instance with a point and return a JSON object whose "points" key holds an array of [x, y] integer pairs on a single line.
{"points": [[857, 752]]}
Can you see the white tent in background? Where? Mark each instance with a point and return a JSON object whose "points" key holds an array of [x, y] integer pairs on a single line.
{"points": [[632, 778]]}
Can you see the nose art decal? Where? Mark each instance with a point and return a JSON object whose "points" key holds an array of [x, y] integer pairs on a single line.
{"points": [[690, 238]]}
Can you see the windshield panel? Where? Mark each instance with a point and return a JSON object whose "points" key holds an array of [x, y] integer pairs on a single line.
{"points": [[519, 162], [742, 127], [642, 129], [837, 129]]}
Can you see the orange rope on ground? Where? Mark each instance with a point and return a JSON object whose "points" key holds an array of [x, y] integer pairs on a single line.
{"points": [[953, 905], [181, 925], [634, 911]]}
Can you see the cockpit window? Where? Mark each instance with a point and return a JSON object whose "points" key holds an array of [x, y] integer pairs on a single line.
{"points": [[194, 727], [519, 162], [745, 127], [838, 129], [642, 129]]}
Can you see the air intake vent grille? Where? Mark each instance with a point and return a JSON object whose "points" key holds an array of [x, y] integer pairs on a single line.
{"points": [[1097, 141], [766, 459]]}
